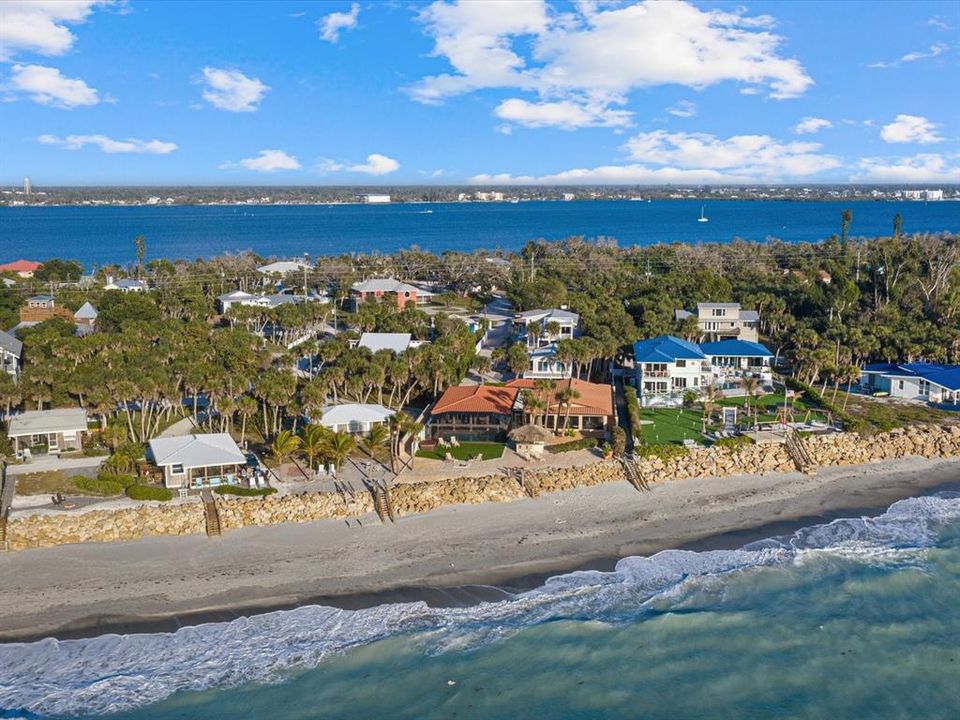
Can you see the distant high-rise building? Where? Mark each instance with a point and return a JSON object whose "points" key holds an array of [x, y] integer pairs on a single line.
{"points": [[27, 186]]}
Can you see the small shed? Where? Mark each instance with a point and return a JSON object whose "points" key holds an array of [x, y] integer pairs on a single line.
{"points": [[528, 440]]}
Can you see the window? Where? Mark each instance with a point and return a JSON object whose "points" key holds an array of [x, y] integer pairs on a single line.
{"points": [[924, 387], [681, 363], [176, 469], [719, 312], [899, 384]]}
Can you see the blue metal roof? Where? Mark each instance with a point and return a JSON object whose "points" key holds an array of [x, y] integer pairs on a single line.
{"points": [[735, 348], [945, 376], [666, 348]]}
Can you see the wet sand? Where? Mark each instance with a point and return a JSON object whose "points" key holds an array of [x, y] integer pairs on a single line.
{"points": [[454, 555]]}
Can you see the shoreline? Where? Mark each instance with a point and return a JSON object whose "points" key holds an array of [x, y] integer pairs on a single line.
{"points": [[159, 584]]}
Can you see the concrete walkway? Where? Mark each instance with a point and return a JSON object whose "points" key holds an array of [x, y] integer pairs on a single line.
{"points": [[45, 463], [181, 427]]}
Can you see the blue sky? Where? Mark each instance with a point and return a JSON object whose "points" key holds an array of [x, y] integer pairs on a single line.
{"points": [[478, 91]]}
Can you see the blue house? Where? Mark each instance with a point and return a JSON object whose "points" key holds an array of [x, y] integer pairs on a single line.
{"points": [[667, 367], [927, 382]]}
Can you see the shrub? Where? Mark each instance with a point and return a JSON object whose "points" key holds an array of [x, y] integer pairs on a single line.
{"points": [[98, 486], [633, 410], [124, 481], [244, 492], [734, 443], [149, 492], [581, 444], [664, 451], [618, 441], [689, 399]]}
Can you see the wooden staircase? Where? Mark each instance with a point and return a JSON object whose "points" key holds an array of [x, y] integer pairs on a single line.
{"points": [[798, 452], [213, 518], [633, 474], [382, 502]]}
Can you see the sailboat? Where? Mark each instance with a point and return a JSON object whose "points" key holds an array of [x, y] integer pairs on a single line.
{"points": [[702, 218]]}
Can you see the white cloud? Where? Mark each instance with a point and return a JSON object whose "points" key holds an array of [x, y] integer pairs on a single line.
{"points": [[939, 23], [910, 128], [41, 27], [633, 174], [376, 164], [47, 86], [232, 90], [266, 161], [564, 114], [595, 56], [109, 145], [331, 25], [934, 51], [660, 157], [744, 155], [811, 125], [921, 168], [683, 108]]}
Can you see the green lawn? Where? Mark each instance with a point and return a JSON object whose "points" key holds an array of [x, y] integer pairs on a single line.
{"points": [[671, 425], [768, 405], [466, 451]]}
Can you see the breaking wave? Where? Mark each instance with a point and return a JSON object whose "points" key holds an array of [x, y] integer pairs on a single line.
{"points": [[120, 672]]}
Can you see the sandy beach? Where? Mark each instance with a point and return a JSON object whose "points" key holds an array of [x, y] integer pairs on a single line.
{"points": [[451, 555]]}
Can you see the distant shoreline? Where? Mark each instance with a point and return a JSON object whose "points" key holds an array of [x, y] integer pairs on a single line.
{"points": [[457, 555]]}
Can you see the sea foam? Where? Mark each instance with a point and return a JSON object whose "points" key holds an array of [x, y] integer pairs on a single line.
{"points": [[118, 672]]}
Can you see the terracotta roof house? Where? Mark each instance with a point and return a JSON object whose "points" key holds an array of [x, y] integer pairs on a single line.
{"points": [[473, 412], [23, 268], [378, 288], [591, 411]]}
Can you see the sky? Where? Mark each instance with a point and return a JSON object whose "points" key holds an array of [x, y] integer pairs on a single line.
{"points": [[97, 92]]}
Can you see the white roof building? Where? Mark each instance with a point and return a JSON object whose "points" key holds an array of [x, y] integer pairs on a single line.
{"points": [[395, 342], [126, 285], [42, 422], [354, 417], [181, 456], [282, 267]]}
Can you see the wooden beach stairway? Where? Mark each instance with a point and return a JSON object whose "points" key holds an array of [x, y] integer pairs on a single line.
{"points": [[382, 502], [6, 499], [214, 528], [634, 477], [798, 452]]}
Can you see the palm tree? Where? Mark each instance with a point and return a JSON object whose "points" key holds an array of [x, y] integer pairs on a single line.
{"points": [[750, 388], [338, 447], [284, 445], [375, 439], [571, 396], [312, 439]]}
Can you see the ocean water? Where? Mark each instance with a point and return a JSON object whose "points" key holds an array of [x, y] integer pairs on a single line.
{"points": [[105, 234], [856, 618]]}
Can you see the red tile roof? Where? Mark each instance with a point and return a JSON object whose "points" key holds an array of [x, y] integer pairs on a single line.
{"points": [[20, 266], [594, 398], [477, 399]]}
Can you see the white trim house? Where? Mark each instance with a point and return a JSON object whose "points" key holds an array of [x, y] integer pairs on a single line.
{"points": [[197, 461], [666, 368], [11, 353], [926, 382], [354, 418], [60, 429]]}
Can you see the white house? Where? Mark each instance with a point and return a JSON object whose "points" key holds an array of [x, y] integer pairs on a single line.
{"points": [[196, 461], [729, 361], [376, 199], [282, 267], [666, 368], [239, 297], [354, 418], [533, 326], [926, 382], [543, 364], [724, 321], [11, 354], [395, 342], [126, 285]]}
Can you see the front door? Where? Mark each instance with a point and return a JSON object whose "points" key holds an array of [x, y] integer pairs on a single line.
{"points": [[53, 443]]}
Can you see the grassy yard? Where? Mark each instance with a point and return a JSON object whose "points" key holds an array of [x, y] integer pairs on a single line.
{"points": [[466, 451], [48, 483], [885, 414], [671, 425]]}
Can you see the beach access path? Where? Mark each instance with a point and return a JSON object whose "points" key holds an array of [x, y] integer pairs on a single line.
{"points": [[159, 583]]}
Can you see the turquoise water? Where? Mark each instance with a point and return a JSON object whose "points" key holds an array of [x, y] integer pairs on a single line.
{"points": [[856, 618], [105, 234]]}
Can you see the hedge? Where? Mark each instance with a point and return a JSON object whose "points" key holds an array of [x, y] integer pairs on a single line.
{"points": [[124, 481], [664, 451], [581, 444], [98, 486], [734, 443], [149, 492], [633, 410], [244, 492]]}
